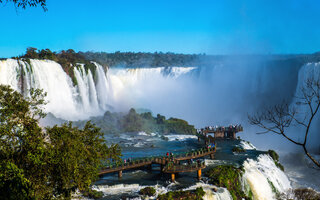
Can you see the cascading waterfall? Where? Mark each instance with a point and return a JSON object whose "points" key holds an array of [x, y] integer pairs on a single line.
{"points": [[261, 176], [91, 95], [66, 101], [264, 178]]}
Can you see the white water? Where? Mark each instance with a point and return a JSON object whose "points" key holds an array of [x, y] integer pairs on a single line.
{"points": [[212, 192], [247, 145], [94, 93], [180, 137], [258, 174]]}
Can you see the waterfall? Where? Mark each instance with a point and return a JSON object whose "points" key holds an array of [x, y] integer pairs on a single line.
{"points": [[264, 178], [307, 71], [220, 93], [65, 100], [92, 92]]}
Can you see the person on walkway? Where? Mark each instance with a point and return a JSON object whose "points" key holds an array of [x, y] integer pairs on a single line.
{"points": [[167, 154]]}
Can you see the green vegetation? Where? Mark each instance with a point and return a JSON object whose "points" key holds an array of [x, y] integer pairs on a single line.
{"points": [[93, 194], [67, 59], [229, 177], [148, 191], [183, 195], [131, 59], [113, 123], [50, 164], [238, 150], [275, 158]]}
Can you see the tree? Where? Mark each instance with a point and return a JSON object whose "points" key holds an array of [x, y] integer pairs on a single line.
{"points": [[76, 156], [32, 53], [38, 164], [22, 145], [279, 118], [27, 3], [132, 122]]}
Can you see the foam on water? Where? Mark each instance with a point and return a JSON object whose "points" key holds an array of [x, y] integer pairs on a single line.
{"points": [[180, 137], [212, 192], [247, 145], [260, 173]]}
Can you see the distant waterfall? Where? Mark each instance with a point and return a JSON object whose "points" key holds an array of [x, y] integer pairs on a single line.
{"points": [[220, 93], [308, 71], [91, 95]]}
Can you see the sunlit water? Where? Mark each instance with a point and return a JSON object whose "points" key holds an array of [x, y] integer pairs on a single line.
{"points": [[255, 163]]}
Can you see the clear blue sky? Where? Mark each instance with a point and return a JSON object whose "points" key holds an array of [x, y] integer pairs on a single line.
{"points": [[185, 26]]}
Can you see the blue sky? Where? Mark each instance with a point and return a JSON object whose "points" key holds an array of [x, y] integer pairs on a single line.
{"points": [[183, 26]]}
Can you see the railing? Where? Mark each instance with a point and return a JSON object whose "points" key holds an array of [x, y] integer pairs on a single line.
{"points": [[158, 159], [171, 167], [237, 128]]}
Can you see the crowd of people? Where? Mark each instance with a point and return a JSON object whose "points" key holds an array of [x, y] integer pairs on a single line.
{"points": [[236, 128]]}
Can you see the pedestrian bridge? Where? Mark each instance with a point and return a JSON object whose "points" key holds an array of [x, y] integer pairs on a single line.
{"points": [[168, 164]]}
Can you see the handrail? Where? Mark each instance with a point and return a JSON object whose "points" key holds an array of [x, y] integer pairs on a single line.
{"points": [[197, 153]]}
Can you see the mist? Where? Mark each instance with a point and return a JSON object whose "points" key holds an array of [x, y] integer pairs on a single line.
{"points": [[218, 93]]}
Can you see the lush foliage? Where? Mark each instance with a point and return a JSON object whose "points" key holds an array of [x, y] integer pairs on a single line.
{"points": [[275, 158], [238, 149], [67, 59], [148, 191], [229, 177], [93, 194], [38, 164], [113, 123], [131, 59], [183, 195]]}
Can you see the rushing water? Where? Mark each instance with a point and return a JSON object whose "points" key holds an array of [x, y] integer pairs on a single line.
{"points": [[160, 89], [259, 168], [201, 95]]}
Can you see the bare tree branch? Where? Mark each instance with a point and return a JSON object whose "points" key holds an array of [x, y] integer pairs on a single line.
{"points": [[280, 117]]}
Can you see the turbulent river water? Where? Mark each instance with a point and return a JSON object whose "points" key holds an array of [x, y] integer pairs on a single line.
{"points": [[218, 94], [259, 168]]}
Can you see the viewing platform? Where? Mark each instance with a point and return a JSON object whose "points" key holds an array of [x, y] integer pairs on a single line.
{"points": [[219, 132], [168, 164]]}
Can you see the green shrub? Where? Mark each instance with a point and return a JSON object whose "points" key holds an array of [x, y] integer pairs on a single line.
{"points": [[93, 194], [273, 155], [148, 191], [275, 158], [229, 177], [183, 195], [238, 150]]}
